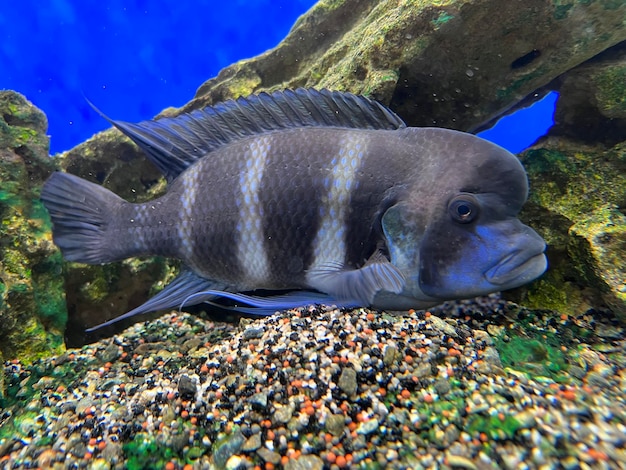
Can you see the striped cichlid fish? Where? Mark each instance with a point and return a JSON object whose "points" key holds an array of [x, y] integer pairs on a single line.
{"points": [[325, 196]]}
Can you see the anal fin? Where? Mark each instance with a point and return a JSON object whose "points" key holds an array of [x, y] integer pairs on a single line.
{"points": [[178, 293]]}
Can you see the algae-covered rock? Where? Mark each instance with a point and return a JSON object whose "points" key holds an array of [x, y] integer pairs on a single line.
{"points": [[32, 300], [450, 63], [592, 107], [578, 193]]}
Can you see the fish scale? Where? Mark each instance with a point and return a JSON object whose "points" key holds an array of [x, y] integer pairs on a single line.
{"points": [[325, 196]]}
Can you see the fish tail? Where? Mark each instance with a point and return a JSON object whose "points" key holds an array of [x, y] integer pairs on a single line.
{"points": [[81, 214]]}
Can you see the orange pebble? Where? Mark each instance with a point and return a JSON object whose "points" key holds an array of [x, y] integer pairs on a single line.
{"points": [[408, 359], [204, 369], [405, 393], [184, 414], [341, 461], [569, 395], [428, 398], [371, 317], [271, 434], [284, 460], [269, 466], [188, 466], [170, 466], [331, 457], [597, 455]]}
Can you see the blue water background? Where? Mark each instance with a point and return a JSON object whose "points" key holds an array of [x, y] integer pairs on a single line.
{"points": [[135, 58]]}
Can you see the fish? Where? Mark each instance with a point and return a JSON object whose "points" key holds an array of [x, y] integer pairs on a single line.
{"points": [[298, 197]]}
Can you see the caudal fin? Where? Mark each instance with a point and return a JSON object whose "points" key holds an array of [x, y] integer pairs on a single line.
{"points": [[81, 213]]}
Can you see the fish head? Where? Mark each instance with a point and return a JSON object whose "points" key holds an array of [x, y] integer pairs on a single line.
{"points": [[461, 237]]}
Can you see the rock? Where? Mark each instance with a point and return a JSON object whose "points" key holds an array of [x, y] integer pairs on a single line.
{"points": [[226, 448], [593, 98], [234, 463], [32, 299], [578, 185], [283, 413], [305, 462], [368, 427], [259, 400], [186, 388], [347, 381], [492, 357], [442, 387], [391, 355], [422, 57], [253, 332], [336, 424], [458, 461], [577, 191], [442, 326], [269, 455], [110, 353], [252, 443]]}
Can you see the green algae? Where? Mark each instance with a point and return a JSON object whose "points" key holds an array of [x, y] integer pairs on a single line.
{"points": [[574, 204], [611, 90], [493, 426], [145, 452], [533, 351], [32, 306]]}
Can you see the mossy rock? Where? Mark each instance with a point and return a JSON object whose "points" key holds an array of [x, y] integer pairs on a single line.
{"points": [[451, 63], [575, 202], [32, 297]]}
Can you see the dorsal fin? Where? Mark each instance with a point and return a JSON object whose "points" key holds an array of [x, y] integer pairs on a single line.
{"points": [[173, 144]]}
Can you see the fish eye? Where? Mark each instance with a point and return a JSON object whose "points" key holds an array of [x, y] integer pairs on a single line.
{"points": [[463, 208]]}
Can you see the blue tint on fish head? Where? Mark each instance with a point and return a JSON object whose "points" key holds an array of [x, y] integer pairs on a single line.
{"points": [[459, 236], [477, 245], [464, 258]]}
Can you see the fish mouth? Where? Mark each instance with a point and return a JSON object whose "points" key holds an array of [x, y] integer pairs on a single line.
{"points": [[517, 269]]}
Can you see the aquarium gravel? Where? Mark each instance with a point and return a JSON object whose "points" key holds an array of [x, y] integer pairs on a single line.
{"points": [[326, 388]]}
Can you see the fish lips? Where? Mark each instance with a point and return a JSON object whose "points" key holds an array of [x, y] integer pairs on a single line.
{"points": [[518, 268]]}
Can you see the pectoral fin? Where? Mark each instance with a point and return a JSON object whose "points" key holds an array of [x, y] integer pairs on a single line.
{"points": [[358, 286]]}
